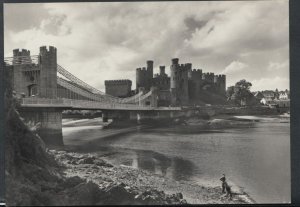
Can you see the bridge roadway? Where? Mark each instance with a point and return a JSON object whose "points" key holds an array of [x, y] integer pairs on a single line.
{"points": [[69, 104]]}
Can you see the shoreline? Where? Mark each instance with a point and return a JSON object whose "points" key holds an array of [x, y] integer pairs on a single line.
{"points": [[137, 181], [193, 193]]}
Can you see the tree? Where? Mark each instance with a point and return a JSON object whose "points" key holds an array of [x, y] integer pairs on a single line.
{"points": [[229, 92], [242, 94]]}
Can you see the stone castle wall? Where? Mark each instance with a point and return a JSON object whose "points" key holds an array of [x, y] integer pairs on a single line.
{"points": [[118, 88]]}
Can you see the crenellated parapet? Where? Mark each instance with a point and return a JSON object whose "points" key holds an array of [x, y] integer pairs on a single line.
{"points": [[118, 82], [208, 77], [196, 74], [219, 78], [23, 52], [21, 57], [45, 50]]}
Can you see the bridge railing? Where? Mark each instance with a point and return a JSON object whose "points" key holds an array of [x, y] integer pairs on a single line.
{"points": [[100, 105], [87, 104], [43, 101]]}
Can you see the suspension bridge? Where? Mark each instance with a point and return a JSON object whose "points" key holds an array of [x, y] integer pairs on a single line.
{"points": [[47, 89], [75, 93]]}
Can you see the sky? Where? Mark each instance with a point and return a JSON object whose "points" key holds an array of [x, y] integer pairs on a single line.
{"points": [[109, 40]]}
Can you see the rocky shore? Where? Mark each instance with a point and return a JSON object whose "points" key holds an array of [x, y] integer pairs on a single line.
{"points": [[126, 185]]}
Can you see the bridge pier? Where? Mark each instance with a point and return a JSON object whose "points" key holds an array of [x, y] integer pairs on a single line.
{"points": [[49, 121], [115, 115], [104, 116]]}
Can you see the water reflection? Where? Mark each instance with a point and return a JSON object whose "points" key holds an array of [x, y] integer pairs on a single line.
{"points": [[175, 167]]}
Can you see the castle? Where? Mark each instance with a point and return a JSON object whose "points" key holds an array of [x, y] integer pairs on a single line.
{"points": [[185, 86]]}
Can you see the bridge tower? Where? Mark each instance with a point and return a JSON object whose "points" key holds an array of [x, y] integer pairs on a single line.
{"points": [[48, 72], [20, 82]]}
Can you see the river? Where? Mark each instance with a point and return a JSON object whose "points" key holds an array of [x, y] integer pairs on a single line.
{"points": [[255, 159]]}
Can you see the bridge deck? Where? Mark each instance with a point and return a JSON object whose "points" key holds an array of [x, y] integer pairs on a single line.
{"points": [[87, 105]]}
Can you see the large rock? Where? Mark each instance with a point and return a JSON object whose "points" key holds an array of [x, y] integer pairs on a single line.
{"points": [[83, 194], [87, 160], [118, 195]]}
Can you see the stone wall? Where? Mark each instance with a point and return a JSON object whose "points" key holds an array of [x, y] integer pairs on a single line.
{"points": [[48, 122], [118, 88]]}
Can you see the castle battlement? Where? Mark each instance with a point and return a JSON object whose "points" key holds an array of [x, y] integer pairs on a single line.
{"points": [[118, 82], [23, 52], [188, 66], [44, 49], [197, 71], [175, 61]]}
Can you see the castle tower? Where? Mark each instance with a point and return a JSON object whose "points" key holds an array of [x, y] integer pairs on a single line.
{"points": [[144, 76], [189, 68], [138, 78], [20, 57], [222, 83], [150, 68], [195, 83], [48, 74], [162, 70], [179, 83]]}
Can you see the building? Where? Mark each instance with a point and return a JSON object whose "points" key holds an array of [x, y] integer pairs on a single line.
{"points": [[269, 96], [258, 95], [118, 88], [284, 95]]}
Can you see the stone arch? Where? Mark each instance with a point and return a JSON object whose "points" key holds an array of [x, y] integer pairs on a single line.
{"points": [[32, 90]]}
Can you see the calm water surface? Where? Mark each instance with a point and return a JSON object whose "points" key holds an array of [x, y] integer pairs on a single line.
{"points": [[255, 159]]}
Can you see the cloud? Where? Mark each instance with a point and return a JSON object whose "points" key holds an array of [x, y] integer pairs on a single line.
{"points": [[107, 40], [234, 67], [275, 66], [270, 83], [21, 16]]}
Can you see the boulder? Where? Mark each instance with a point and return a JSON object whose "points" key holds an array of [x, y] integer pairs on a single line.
{"points": [[118, 195], [83, 194], [87, 160]]}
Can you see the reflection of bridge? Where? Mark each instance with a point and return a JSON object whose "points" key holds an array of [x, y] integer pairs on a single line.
{"points": [[47, 88]]}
